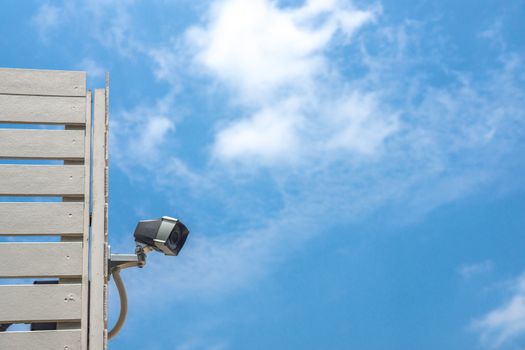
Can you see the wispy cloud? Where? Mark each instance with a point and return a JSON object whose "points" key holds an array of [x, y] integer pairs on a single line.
{"points": [[47, 18], [470, 270], [107, 21], [494, 34], [506, 323], [138, 134]]}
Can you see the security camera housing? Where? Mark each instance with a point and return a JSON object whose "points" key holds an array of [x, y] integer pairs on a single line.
{"points": [[166, 235]]}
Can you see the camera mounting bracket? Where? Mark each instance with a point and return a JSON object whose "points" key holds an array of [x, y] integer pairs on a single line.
{"points": [[124, 261]]}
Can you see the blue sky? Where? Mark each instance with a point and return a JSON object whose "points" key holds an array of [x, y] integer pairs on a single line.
{"points": [[351, 172]]}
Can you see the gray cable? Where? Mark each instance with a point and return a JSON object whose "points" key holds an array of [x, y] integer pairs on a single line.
{"points": [[123, 304]]}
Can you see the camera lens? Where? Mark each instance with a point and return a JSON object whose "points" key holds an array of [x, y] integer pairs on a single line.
{"points": [[177, 237]]}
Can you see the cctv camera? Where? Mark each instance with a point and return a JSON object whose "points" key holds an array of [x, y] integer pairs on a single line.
{"points": [[166, 235]]}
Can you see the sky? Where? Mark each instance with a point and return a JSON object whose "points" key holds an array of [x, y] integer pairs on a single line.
{"points": [[351, 171]]}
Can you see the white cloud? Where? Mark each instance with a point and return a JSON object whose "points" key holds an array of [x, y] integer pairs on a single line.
{"points": [[257, 47], [153, 135], [107, 21], [47, 18], [281, 134], [267, 137], [137, 135], [270, 56], [494, 34], [505, 323], [165, 61], [470, 270], [359, 123]]}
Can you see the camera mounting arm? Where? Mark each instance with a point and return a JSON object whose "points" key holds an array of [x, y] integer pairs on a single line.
{"points": [[124, 261]]}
